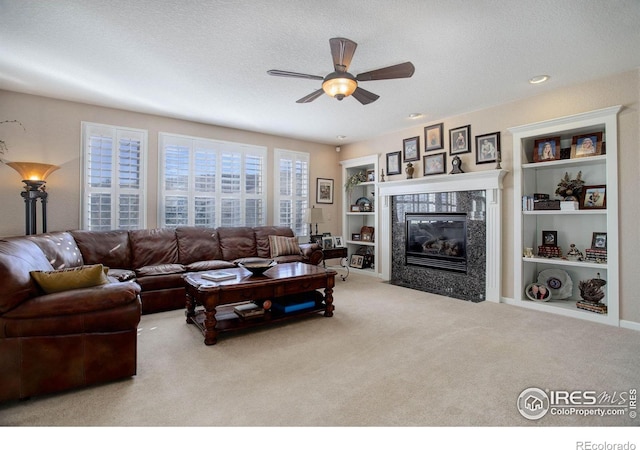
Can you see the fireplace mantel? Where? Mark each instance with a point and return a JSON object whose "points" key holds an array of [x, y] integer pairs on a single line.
{"points": [[489, 181]]}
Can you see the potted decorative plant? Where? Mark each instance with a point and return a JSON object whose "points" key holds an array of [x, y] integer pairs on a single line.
{"points": [[3, 144], [355, 180]]}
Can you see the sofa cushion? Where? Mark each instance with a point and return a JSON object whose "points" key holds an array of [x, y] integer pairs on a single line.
{"points": [[72, 278], [18, 257], [208, 265], [152, 247], [60, 248], [159, 269], [236, 242], [197, 244], [262, 238], [110, 248], [121, 274], [282, 246]]}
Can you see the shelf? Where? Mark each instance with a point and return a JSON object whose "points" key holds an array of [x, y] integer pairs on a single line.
{"points": [[369, 243], [560, 212], [564, 262], [600, 159], [369, 213]]}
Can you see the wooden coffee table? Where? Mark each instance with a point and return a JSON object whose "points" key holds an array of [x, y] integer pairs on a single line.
{"points": [[209, 304]]}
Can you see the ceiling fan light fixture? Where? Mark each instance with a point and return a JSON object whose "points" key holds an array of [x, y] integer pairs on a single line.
{"points": [[339, 85]]}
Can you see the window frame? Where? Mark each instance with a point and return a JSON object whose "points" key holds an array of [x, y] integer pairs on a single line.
{"points": [[296, 156]]}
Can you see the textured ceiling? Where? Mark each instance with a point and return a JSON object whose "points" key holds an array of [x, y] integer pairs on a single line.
{"points": [[207, 60]]}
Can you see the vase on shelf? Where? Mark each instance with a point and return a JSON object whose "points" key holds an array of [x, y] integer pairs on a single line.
{"points": [[409, 171]]}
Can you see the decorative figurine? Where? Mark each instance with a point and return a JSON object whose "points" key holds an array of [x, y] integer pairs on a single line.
{"points": [[591, 290], [574, 254], [570, 189], [409, 171], [382, 176]]}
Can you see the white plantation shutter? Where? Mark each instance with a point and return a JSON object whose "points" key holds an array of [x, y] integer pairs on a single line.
{"points": [[210, 183], [292, 190], [113, 172]]}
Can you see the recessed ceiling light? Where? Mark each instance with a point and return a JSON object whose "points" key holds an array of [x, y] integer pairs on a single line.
{"points": [[539, 79], [415, 115]]}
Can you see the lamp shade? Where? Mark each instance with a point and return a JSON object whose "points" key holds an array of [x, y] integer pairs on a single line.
{"points": [[314, 215], [339, 85], [33, 171]]}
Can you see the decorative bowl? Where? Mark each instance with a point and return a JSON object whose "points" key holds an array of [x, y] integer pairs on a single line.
{"points": [[257, 267]]}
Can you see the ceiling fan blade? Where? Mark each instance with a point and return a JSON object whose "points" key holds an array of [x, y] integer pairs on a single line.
{"points": [[365, 97], [404, 70], [283, 73], [311, 97], [342, 50]]}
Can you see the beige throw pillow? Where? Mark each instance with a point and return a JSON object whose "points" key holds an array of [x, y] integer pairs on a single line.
{"points": [[72, 278], [283, 245]]}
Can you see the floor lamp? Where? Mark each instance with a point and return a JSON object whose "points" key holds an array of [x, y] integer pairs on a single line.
{"points": [[34, 176]]}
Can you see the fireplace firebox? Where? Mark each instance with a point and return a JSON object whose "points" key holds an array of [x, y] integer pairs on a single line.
{"points": [[437, 240]]}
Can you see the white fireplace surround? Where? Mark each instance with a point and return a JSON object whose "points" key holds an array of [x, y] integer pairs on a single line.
{"points": [[489, 181]]}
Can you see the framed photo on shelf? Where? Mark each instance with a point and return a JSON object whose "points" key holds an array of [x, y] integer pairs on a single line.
{"points": [[586, 145], [599, 241], [547, 149], [433, 137], [593, 197], [324, 190], [393, 163], [371, 175], [357, 261], [355, 208], [337, 242], [550, 238], [411, 148], [459, 140], [434, 164], [355, 236], [487, 148], [316, 239], [327, 242], [367, 233]]}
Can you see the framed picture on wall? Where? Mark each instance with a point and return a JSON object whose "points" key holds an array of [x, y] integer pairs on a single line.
{"points": [[435, 164], [459, 140], [411, 148], [324, 190], [393, 163], [487, 148], [433, 137]]}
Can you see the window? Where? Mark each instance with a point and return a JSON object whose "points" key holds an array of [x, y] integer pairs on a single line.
{"points": [[209, 183], [291, 190], [113, 173]]}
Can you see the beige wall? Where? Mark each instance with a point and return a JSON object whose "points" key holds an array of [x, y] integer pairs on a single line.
{"points": [[53, 136], [622, 89]]}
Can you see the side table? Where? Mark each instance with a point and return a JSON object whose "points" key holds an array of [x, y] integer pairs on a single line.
{"points": [[338, 252]]}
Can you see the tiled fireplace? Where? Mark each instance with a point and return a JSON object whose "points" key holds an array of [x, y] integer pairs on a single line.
{"points": [[442, 234]]}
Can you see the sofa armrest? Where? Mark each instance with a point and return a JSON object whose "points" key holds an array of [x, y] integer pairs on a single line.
{"points": [[312, 253]]}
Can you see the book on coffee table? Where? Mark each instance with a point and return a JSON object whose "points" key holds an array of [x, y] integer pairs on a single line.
{"points": [[247, 310], [218, 276]]}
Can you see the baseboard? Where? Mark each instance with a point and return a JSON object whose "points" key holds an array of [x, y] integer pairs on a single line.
{"points": [[630, 325]]}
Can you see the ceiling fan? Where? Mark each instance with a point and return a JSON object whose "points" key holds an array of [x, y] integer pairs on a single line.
{"points": [[340, 83]]}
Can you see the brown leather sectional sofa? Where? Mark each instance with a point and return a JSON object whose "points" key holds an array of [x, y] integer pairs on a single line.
{"points": [[63, 340]]}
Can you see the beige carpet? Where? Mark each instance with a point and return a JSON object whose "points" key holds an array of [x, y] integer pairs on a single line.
{"points": [[390, 356]]}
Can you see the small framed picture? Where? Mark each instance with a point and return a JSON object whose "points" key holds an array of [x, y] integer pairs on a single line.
{"points": [[366, 233], [593, 197], [355, 208], [371, 175], [459, 140], [337, 242], [355, 236], [316, 239], [550, 238], [357, 261], [433, 137], [547, 149], [539, 292], [327, 242], [586, 145], [435, 164], [324, 190], [487, 148], [411, 149], [599, 241], [393, 163]]}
